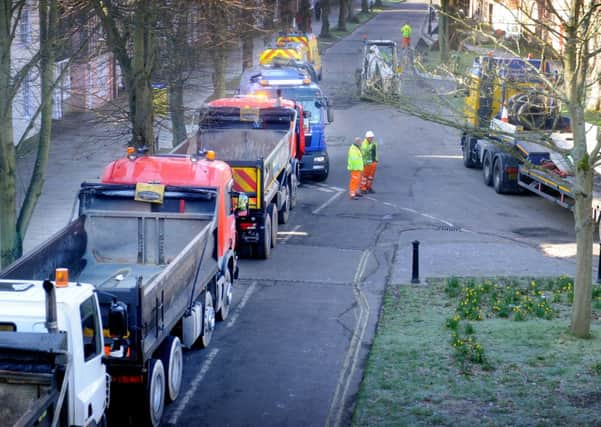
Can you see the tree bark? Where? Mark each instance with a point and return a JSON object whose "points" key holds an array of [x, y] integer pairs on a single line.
{"points": [[364, 6], [443, 31], [177, 110], [136, 66], [10, 241], [325, 18], [342, 15], [248, 45], [219, 66], [48, 28], [142, 64]]}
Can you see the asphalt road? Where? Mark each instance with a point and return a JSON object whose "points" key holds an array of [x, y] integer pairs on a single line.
{"points": [[293, 349]]}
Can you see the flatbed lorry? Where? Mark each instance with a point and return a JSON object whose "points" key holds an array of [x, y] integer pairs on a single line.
{"points": [[156, 239], [51, 346], [513, 130], [262, 140]]}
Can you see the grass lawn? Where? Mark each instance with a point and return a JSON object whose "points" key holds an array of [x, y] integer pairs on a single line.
{"points": [[433, 363]]}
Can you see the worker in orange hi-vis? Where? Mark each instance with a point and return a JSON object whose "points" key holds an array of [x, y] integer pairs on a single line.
{"points": [[369, 150], [355, 167]]}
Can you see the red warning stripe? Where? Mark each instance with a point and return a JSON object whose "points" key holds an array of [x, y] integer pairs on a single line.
{"points": [[244, 182]]}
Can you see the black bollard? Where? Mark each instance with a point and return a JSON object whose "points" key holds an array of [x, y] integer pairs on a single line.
{"points": [[415, 267], [599, 265]]}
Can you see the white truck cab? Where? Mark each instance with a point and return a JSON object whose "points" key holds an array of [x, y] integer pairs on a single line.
{"points": [[24, 307]]}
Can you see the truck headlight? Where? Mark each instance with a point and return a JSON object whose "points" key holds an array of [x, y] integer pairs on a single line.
{"points": [[319, 159]]}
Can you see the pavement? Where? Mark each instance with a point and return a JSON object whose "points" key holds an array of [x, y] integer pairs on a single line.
{"points": [[83, 143]]}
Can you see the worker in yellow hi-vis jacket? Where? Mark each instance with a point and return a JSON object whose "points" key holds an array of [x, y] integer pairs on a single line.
{"points": [[355, 167], [369, 151]]}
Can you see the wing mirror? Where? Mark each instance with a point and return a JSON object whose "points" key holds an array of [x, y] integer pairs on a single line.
{"points": [[118, 319], [242, 205]]}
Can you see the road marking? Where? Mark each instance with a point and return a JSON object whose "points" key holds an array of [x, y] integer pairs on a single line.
{"points": [[289, 234], [193, 386], [243, 302], [315, 187], [352, 355], [327, 202], [330, 187]]}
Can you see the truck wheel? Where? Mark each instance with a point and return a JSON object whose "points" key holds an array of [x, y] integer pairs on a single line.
{"points": [[487, 168], [284, 212], [468, 146], [173, 361], [293, 190], [226, 300], [208, 320], [264, 248], [499, 176], [274, 225], [154, 398]]}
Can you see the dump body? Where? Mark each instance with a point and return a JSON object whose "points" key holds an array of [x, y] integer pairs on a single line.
{"points": [[142, 254], [315, 161], [261, 140]]}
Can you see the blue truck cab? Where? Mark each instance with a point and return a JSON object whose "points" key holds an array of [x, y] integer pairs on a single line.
{"points": [[292, 83]]}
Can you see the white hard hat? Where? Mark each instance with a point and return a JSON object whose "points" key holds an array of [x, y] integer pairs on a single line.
{"points": [[369, 134]]}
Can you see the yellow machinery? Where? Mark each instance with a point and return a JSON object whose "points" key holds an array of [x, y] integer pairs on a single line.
{"points": [[494, 82]]}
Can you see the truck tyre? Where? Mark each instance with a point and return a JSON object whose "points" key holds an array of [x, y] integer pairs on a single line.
{"points": [[274, 225], [487, 168], [154, 397], [468, 146], [173, 361], [208, 320], [264, 248], [226, 300], [293, 190], [499, 175], [284, 212]]}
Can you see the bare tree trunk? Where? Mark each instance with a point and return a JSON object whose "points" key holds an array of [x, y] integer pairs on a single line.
{"points": [[287, 13], [10, 241], [575, 63], [325, 18], [48, 27], [177, 110], [342, 15], [443, 31], [142, 64], [364, 6], [304, 12], [219, 66], [248, 45]]}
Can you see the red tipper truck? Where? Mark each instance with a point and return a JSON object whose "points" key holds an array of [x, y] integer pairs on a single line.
{"points": [[262, 140], [156, 239]]}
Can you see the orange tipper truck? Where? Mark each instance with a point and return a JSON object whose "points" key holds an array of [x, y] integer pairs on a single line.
{"points": [[156, 239], [262, 139]]}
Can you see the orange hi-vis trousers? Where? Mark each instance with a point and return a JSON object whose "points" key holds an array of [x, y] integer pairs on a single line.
{"points": [[369, 173], [353, 185]]}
